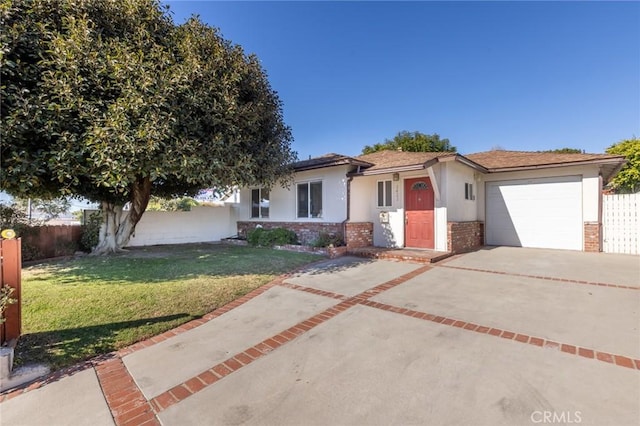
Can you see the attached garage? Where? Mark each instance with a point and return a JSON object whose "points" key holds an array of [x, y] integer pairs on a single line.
{"points": [[541, 213]]}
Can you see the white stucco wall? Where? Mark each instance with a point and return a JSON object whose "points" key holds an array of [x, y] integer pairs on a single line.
{"points": [[282, 201], [201, 224], [590, 186], [364, 208], [460, 209]]}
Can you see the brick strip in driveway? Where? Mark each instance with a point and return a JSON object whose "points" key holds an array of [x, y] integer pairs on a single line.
{"points": [[236, 362], [219, 371], [125, 400], [239, 360], [129, 405], [540, 277], [618, 360]]}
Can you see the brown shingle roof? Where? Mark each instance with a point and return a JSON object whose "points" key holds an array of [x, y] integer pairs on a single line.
{"points": [[487, 162], [383, 160], [498, 159]]}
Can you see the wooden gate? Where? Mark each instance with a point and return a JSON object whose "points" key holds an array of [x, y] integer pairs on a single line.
{"points": [[10, 274], [621, 223]]}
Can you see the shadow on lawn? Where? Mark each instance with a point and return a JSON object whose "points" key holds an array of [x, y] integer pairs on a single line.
{"points": [[167, 263], [62, 348]]}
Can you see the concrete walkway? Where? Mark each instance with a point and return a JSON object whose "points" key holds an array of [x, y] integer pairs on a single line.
{"points": [[499, 336]]}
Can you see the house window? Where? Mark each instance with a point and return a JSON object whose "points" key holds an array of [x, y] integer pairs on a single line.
{"points": [[468, 191], [310, 199], [384, 193], [259, 203]]}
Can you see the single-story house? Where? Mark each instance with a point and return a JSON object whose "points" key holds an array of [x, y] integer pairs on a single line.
{"points": [[440, 200]]}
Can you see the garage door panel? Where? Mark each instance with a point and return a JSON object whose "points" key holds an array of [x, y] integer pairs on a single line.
{"points": [[543, 213]]}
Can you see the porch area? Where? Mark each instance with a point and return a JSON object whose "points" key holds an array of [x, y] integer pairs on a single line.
{"points": [[404, 254]]}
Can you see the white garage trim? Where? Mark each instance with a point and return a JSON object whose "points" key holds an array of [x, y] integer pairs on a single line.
{"points": [[542, 213]]}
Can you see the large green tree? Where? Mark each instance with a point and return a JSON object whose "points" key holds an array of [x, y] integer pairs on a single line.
{"points": [[111, 101], [412, 142], [628, 179]]}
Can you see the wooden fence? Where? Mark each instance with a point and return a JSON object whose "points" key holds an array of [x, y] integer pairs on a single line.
{"points": [[621, 223], [10, 274], [44, 242]]}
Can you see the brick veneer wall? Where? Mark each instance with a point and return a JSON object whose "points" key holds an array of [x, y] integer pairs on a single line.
{"points": [[464, 236], [592, 236], [359, 234], [307, 232]]}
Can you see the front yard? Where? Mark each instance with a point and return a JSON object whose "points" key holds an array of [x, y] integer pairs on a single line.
{"points": [[74, 310]]}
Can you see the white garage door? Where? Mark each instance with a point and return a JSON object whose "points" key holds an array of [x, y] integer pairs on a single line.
{"points": [[543, 213]]}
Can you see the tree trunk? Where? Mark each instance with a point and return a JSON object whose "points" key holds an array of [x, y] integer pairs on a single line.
{"points": [[118, 225]]}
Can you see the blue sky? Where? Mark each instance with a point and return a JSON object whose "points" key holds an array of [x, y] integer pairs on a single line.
{"points": [[519, 75]]}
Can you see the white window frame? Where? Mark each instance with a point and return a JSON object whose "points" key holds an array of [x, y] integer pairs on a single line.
{"points": [[468, 192], [308, 184], [260, 215], [384, 193]]}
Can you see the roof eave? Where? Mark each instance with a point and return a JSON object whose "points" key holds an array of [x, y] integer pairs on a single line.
{"points": [[602, 161], [610, 172], [464, 160], [387, 170], [422, 166], [343, 162]]}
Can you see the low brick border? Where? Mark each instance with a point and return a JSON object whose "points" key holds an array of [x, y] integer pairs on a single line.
{"points": [[541, 277], [128, 405]]}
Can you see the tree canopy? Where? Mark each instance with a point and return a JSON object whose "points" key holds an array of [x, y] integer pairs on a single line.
{"points": [[412, 142], [111, 101], [628, 179], [565, 151]]}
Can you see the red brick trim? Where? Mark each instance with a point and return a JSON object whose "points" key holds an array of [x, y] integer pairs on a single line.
{"points": [[592, 231], [540, 277], [464, 236], [358, 234], [125, 400], [618, 360], [314, 291]]}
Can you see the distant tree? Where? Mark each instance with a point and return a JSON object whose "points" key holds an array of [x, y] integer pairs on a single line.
{"points": [[565, 151], [412, 142], [172, 205], [110, 101], [628, 179], [50, 209], [497, 148]]}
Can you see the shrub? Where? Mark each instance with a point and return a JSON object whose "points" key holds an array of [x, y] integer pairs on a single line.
{"points": [[91, 232], [269, 237], [329, 240]]}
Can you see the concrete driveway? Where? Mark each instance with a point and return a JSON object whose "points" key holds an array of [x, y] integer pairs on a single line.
{"points": [[499, 336]]}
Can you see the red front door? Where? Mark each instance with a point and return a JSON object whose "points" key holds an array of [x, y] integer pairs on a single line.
{"points": [[418, 205]]}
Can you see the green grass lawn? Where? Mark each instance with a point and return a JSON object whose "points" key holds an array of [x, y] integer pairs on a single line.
{"points": [[74, 310]]}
